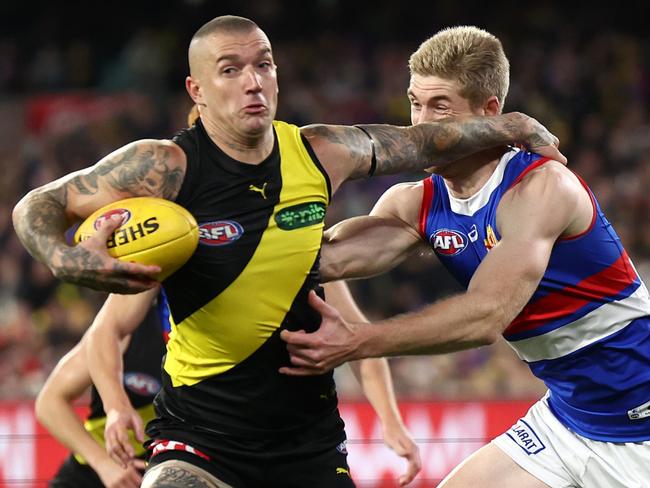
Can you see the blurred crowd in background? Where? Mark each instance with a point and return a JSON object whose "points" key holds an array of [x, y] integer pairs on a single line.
{"points": [[72, 91]]}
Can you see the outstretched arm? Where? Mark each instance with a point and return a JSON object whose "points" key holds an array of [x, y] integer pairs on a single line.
{"points": [[375, 379], [531, 217], [346, 152], [54, 409], [392, 227], [144, 168], [119, 317]]}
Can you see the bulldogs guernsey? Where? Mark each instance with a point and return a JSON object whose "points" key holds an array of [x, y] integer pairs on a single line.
{"points": [[585, 332]]}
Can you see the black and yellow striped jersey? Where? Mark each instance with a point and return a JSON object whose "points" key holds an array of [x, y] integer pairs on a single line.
{"points": [[261, 229]]}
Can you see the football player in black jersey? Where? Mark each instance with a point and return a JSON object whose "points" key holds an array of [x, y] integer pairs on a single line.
{"points": [[259, 189]]}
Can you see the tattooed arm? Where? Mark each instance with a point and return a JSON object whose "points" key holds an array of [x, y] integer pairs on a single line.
{"points": [[346, 151], [143, 168]]}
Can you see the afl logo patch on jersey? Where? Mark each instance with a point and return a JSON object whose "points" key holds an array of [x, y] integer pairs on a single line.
{"points": [[142, 384], [448, 242], [220, 233], [124, 213]]}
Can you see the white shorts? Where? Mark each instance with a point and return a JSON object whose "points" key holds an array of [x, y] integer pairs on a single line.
{"points": [[545, 448]]}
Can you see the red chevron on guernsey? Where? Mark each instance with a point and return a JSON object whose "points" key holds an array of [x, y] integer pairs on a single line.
{"points": [[608, 282]]}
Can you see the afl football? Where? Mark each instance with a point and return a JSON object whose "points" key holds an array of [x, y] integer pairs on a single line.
{"points": [[152, 231]]}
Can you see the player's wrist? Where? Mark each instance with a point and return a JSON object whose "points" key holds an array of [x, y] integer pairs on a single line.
{"points": [[117, 404], [366, 338]]}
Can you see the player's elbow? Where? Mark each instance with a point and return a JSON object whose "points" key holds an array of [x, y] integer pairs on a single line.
{"points": [[18, 213], [332, 268], [41, 405], [493, 321]]}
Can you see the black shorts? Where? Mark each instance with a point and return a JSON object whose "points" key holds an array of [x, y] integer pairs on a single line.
{"points": [[328, 469], [72, 474]]}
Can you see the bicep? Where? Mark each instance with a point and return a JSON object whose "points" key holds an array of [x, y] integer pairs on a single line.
{"points": [[365, 246], [344, 151], [530, 218], [510, 273], [142, 168]]}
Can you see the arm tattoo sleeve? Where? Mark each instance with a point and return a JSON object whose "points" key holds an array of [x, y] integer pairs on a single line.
{"points": [[139, 169], [414, 148]]}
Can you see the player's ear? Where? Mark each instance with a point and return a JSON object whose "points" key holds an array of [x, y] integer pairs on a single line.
{"points": [[492, 106], [194, 90]]}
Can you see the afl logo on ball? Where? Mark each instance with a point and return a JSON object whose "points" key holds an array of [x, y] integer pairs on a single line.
{"points": [[124, 213], [220, 233], [448, 242], [141, 384]]}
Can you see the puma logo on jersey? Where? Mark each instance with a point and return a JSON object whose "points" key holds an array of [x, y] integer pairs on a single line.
{"points": [[342, 471], [261, 191]]}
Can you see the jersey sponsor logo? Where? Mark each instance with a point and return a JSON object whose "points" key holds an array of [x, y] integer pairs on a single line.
{"points": [[122, 212], [301, 215], [220, 233], [142, 384], [526, 438], [448, 242]]}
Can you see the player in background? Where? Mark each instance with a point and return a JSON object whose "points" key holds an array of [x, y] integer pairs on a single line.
{"points": [[90, 465]]}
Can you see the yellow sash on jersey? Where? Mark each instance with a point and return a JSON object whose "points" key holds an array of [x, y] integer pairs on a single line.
{"points": [[234, 324]]}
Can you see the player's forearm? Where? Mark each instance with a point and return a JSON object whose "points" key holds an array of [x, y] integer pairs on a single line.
{"points": [[345, 251], [40, 223], [415, 148], [344, 260], [58, 417], [105, 364], [455, 324]]}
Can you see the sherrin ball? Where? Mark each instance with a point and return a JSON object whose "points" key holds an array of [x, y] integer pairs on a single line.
{"points": [[153, 231]]}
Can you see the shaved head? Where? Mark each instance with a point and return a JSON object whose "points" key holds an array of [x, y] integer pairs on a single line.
{"points": [[226, 24]]}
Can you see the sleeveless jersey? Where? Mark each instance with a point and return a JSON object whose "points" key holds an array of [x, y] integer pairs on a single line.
{"points": [[141, 379], [585, 332], [260, 235]]}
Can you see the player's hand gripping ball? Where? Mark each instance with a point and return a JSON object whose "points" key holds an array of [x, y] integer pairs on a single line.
{"points": [[153, 231]]}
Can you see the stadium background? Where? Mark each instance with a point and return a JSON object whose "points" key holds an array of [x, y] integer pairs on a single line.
{"points": [[78, 80]]}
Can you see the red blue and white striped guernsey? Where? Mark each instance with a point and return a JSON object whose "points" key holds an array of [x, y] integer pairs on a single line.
{"points": [[586, 331]]}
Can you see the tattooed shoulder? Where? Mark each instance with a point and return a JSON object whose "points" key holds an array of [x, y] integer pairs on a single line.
{"points": [[339, 145], [142, 168]]}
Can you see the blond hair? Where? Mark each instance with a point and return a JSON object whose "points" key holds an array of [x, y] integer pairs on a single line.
{"points": [[472, 57]]}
